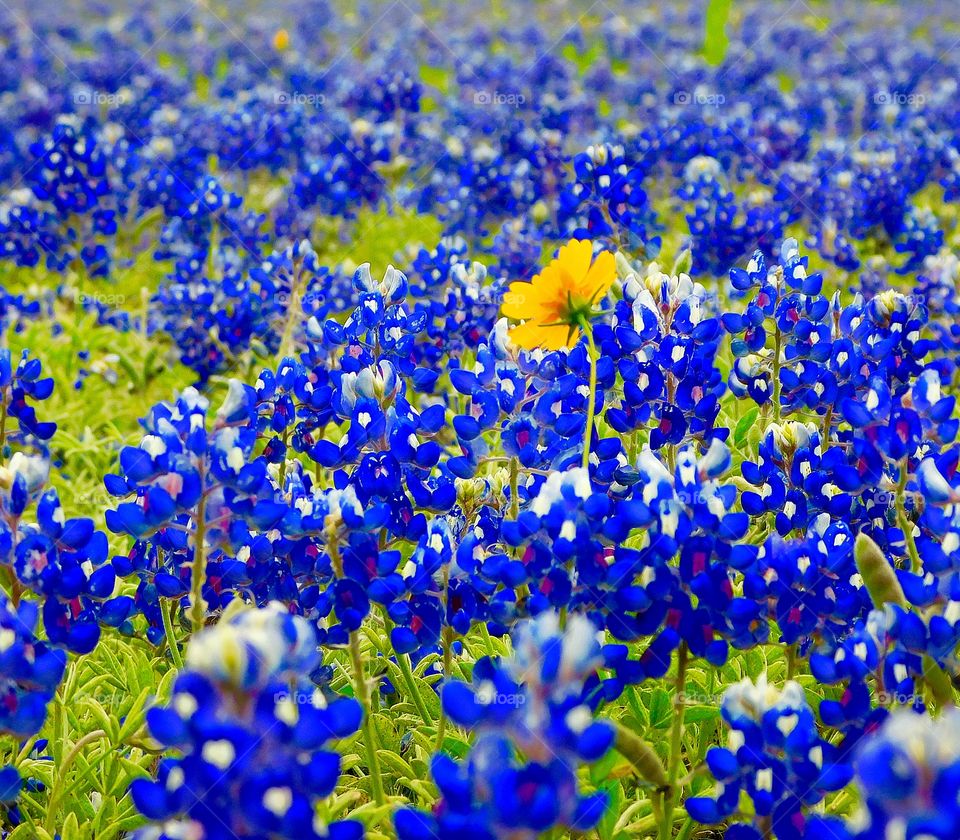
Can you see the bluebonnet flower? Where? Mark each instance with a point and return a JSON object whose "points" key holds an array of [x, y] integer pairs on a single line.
{"points": [[70, 173], [62, 560], [667, 342], [906, 773], [31, 232], [784, 336], [19, 387], [193, 487], [687, 513], [534, 716], [30, 670], [776, 757], [720, 231], [884, 649], [919, 237], [607, 203], [252, 733], [812, 585], [795, 477], [10, 786]]}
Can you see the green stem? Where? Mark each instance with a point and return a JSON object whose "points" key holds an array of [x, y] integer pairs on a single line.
{"points": [[360, 688], [791, 661], [403, 660], [214, 247], [282, 470], [167, 615], [485, 632], [776, 375], [916, 564], [676, 743], [57, 792], [827, 428], [294, 315], [446, 641], [199, 571], [403, 663], [592, 396], [3, 428], [709, 728], [362, 691], [514, 488]]}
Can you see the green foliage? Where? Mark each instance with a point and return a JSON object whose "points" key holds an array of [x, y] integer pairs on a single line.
{"points": [[715, 41]]}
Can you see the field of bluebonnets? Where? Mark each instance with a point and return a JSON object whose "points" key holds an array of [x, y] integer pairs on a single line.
{"points": [[474, 421]]}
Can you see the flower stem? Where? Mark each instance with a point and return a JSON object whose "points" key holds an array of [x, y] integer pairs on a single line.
{"points": [[485, 632], [446, 642], [676, 744], [403, 660], [3, 427], [776, 375], [362, 692], [199, 571], [446, 638], [827, 428], [903, 522], [293, 317], [360, 688], [403, 663], [592, 396], [56, 794], [167, 614], [791, 661]]}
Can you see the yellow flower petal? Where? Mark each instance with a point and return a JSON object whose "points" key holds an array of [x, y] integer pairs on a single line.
{"points": [[574, 258], [531, 336], [555, 302], [600, 277]]}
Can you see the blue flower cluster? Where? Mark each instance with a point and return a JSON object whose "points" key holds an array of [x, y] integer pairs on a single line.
{"points": [[776, 756], [534, 718], [253, 734]]}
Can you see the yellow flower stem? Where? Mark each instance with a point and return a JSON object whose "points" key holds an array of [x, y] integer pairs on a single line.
{"points": [[592, 396]]}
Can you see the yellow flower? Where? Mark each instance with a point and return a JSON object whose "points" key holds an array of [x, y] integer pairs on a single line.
{"points": [[560, 299], [281, 40]]}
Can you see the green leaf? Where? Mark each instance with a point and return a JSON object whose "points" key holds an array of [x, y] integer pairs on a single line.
{"points": [[744, 426], [599, 770], [660, 709], [715, 40], [396, 764], [135, 716], [699, 714]]}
